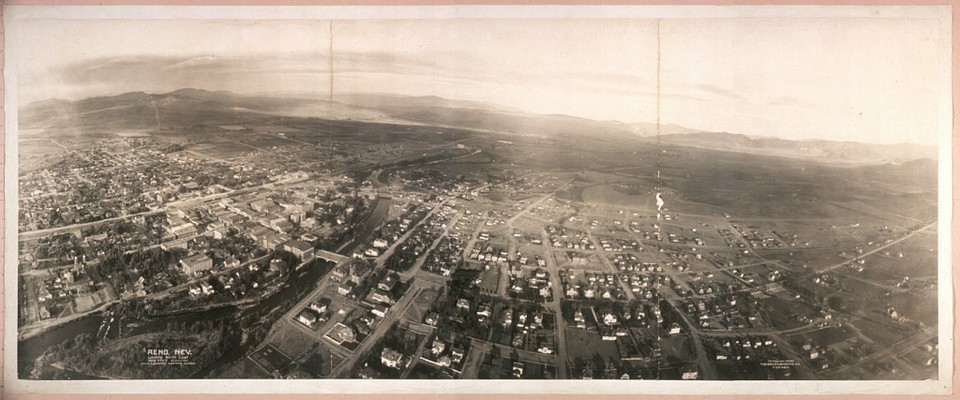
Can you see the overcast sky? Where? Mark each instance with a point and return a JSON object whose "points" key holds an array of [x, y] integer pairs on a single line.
{"points": [[871, 80]]}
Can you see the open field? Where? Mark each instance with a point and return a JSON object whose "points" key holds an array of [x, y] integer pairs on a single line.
{"points": [[38, 154], [588, 346]]}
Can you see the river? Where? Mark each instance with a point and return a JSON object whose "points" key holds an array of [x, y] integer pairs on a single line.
{"points": [[30, 349], [374, 220], [306, 279]]}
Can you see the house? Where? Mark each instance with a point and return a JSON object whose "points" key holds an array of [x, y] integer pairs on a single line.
{"points": [[444, 361], [231, 262], [226, 281], [507, 317], [545, 348], [362, 329], [368, 319], [390, 358], [382, 296], [463, 303], [438, 347], [522, 318], [319, 306], [388, 282], [517, 369], [206, 287], [457, 353], [307, 317], [196, 264], [432, 319], [380, 310], [545, 292], [380, 243], [674, 328], [346, 287], [537, 318], [690, 373], [446, 270], [484, 310], [346, 334], [609, 318]]}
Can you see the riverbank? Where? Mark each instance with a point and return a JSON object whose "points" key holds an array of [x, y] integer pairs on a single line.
{"points": [[34, 342], [30, 331]]}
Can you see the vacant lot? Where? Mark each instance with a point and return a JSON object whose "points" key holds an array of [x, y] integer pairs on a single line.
{"points": [[270, 359], [38, 154], [223, 150], [588, 346], [883, 333]]}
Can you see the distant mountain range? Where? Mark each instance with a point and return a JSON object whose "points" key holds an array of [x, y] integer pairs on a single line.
{"points": [[812, 148], [192, 107]]}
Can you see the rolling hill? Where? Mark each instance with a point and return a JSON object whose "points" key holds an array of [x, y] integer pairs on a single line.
{"points": [[195, 107], [816, 149]]}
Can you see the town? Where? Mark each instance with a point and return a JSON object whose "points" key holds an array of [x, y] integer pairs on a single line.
{"points": [[470, 257]]}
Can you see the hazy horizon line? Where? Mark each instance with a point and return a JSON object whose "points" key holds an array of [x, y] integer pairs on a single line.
{"points": [[307, 95]]}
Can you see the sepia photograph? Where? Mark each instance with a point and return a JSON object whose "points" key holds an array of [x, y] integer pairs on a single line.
{"points": [[677, 199]]}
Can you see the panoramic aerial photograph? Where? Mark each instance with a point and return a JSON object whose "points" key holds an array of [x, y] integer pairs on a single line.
{"points": [[725, 199]]}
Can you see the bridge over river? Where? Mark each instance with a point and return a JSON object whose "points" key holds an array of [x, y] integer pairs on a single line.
{"points": [[331, 256]]}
